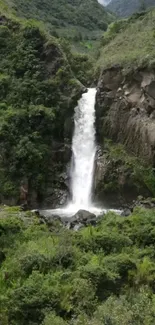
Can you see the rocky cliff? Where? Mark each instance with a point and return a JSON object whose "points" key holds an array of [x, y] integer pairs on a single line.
{"points": [[126, 115], [127, 110]]}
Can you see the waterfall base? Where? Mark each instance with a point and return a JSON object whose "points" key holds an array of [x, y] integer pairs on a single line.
{"points": [[71, 209]]}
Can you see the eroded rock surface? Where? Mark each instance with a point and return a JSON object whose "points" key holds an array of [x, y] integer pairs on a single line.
{"points": [[117, 181], [126, 110]]}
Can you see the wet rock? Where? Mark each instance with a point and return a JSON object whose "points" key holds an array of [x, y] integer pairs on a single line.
{"points": [[56, 197], [126, 213], [84, 217], [49, 217], [148, 203], [36, 212], [151, 89], [78, 226], [24, 207]]}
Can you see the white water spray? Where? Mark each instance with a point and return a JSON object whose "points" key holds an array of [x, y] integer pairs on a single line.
{"points": [[84, 150], [83, 158]]}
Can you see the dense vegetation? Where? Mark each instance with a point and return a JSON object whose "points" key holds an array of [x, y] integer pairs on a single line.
{"points": [[130, 42], [97, 276], [125, 8], [78, 21], [126, 177], [35, 80]]}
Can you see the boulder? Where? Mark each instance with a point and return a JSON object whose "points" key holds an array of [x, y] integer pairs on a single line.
{"points": [[126, 213], [78, 227], [49, 217], [85, 217]]}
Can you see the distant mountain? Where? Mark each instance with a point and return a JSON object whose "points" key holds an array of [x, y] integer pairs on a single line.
{"points": [[62, 14], [81, 22], [125, 8], [104, 2]]}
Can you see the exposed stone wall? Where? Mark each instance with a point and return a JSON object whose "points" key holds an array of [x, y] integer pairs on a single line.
{"points": [[126, 110]]}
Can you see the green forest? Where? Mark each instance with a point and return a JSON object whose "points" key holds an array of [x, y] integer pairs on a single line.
{"points": [[36, 76], [97, 276], [80, 22]]}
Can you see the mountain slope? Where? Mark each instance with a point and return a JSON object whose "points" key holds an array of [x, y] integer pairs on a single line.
{"points": [[125, 8], [126, 90], [38, 92], [63, 16], [129, 42]]}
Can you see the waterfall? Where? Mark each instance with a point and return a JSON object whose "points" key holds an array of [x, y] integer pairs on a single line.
{"points": [[83, 151], [83, 158]]}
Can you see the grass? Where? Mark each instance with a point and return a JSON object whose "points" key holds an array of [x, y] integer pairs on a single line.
{"points": [[134, 44]]}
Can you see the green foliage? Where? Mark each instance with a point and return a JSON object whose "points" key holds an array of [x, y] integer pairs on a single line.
{"points": [[139, 172], [51, 318], [35, 79], [78, 278], [138, 309], [129, 42], [81, 64], [73, 20]]}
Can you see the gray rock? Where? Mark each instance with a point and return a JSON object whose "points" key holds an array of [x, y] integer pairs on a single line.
{"points": [[78, 227], [48, 217], [128, 120], [151, 89], [84, 217], [126, 213]]}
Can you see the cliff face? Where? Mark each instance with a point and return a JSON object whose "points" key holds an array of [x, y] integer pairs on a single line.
{"points": [[125, 115], [126, 110]]}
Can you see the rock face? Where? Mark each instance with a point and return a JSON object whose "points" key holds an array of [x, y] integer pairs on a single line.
{"points": [[116, 183], [84, 217], [81, 219], [126, 110], [126, 115], [57, 189]]}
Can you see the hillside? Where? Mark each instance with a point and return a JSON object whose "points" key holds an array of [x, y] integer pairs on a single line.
{"points": [[126, 100], [35, 110], [75, 20], [125, 8], [129, 42]]}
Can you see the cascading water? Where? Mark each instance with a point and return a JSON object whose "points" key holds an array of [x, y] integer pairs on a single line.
{"points": [[84, 150], [83, 157]]}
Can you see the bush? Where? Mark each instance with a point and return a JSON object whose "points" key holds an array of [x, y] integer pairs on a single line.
{"points": [[70, 278]]}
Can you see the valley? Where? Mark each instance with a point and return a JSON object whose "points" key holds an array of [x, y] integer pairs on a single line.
{"points": [[77, 133]]}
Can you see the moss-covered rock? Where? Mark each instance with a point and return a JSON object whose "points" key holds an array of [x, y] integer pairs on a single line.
{"points": [[120, 177]]}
